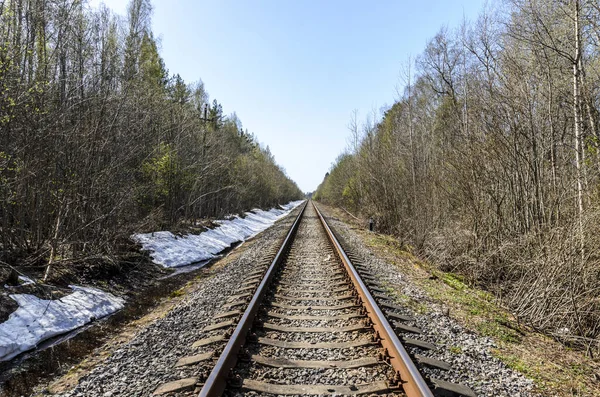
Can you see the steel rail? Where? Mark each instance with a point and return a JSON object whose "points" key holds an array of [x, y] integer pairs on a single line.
{"points": [[412, 382], [217, 380]]}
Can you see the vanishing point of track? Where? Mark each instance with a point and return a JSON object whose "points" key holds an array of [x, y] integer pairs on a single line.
{"points": [[309, 321]]}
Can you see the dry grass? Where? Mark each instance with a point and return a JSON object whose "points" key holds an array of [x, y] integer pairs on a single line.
{"points": [[555, 369]]}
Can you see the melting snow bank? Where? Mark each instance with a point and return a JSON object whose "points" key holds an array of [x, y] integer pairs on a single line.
{"points": [[38, 319], [171, 251]]}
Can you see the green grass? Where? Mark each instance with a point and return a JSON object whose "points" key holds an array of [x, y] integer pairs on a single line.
{"points": [[496, 329], [514, 363], [478, 307], [177, 293], [453, 280]]}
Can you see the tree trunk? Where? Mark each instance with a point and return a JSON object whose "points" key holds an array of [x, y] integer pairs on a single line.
{"points": [[578, 122]]}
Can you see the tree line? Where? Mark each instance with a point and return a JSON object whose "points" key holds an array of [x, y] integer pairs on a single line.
{"points": [[98, 138], [488, 163]]}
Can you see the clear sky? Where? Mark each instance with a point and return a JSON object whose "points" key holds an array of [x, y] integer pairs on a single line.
{"points": [[294, 70]]}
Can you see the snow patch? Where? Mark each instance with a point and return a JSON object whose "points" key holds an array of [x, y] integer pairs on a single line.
{"points": [[26, 280], [169, 250], [39, 319], [23, 280]]}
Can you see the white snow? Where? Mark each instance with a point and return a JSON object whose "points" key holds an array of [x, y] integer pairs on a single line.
{"points": [[169, 250], [38, 319], [26, 280]]}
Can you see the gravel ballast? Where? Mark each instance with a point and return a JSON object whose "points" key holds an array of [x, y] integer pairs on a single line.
{"points": [[475, 365], [147, 361], [311, 263]]}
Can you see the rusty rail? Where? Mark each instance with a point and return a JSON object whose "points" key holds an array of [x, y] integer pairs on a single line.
{"points": [[412, 382], [217, 380]]}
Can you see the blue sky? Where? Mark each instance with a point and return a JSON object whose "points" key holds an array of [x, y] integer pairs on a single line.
{"points": [[294, 71]]}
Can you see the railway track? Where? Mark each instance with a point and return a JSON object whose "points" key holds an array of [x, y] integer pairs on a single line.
{"points": [[309, 321]]}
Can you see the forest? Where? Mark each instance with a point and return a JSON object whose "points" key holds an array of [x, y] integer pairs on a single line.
{"points": [[98, 139], [488, 162]]}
